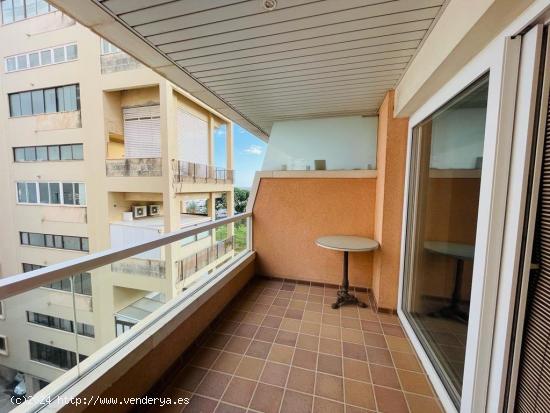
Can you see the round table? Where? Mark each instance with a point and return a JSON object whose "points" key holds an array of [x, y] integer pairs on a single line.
{"points": [[461, 253], [347, 243]]}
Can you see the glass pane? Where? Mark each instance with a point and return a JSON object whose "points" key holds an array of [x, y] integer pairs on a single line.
{"points": [[30, 153], [34, 59], [53, 153], [49, 100], [19, 154], [31, 193], [19, 9], [66, 152], [15, 104], [49, 241], [80, 194], [24, 238], [41, 153], [26, 103], [85, 245], [71, 243], [43, 188], [41, 7], [46, 57], [30, 7], [7, 11], [58, 242], [10, 64], [78, 151], [72, 52], [22, 62], [55, 197], [69, 93], [22, 192], [60, 100], [37, 239], [447, 150], [59, 54], [37, 102], [68, 198]]}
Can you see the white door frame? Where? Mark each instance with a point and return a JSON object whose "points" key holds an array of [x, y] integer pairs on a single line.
{"points": [[501, 60]]}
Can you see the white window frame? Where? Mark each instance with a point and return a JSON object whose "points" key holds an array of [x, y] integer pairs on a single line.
{"points": [[4, 351], [61, 195], [490, 223], [111, 48], [40, 64]]}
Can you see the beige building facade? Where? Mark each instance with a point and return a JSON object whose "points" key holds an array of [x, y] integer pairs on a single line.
{"points": [[86, 150]]}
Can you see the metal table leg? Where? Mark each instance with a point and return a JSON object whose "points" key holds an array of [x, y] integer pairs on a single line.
{"points": [[343, 295]]}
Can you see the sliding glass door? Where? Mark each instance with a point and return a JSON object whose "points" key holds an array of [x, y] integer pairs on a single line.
{"points": [[444, 189]]}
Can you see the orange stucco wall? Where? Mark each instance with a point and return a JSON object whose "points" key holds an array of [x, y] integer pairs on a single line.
{"points": [[390, 161], [290, 213]]}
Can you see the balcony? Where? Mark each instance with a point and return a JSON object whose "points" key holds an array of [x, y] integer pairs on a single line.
{"points": [[191, 172], [133, 167]]}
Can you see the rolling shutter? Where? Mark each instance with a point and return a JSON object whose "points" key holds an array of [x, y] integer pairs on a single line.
{"points": [[142, 132], [192, 138]]}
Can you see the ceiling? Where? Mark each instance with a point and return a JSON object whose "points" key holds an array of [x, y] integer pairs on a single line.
{"points": [[303, 59]]}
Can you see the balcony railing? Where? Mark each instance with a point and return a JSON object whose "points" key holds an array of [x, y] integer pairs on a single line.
{"points": [[62, 346], [118, 62], [134, 167], [192, 264], [185, 171]]}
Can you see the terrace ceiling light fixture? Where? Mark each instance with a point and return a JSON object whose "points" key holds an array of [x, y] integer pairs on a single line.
{"points": [[269, 5]]}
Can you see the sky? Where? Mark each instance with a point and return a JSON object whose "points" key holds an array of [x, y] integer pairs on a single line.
{"points": [[248, 154]]}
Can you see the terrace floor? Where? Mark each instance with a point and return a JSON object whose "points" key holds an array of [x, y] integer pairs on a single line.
{"points": [[280, 347]]}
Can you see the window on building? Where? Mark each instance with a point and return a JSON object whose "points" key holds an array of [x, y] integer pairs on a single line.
{"points": [[53, 356], [71, 152], [66, 242], [16, 10], [36, 102], [60, 324], [43, 57], [82, 281], [108, 48], [74, 193], [3, 345]]}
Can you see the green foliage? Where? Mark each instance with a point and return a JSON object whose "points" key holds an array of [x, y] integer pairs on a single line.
{"points": [[241, 198]]}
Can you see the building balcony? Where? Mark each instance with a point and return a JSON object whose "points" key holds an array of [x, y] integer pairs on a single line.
{"points": [[133, 167], [191, 172]]}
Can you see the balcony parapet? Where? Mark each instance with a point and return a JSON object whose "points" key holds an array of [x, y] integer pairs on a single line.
{"points": [[191, 264], [118, 62], [134, 167], [191, 172]]}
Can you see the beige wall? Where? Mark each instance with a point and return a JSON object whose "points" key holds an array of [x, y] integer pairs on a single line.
{"points": [[391, 159], [289, 214]]}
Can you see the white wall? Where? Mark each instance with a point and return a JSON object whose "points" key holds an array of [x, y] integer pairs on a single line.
{"points": [[344, 142], [457, 138]]}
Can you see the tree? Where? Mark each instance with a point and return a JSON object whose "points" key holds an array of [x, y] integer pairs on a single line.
{"points": [[241, 199], [221, 203]]}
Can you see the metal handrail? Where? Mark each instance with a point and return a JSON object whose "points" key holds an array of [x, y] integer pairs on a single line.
{"points": [[20, 283]]}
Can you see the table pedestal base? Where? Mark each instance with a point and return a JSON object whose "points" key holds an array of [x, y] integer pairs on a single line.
{"points": [[344, 297]]}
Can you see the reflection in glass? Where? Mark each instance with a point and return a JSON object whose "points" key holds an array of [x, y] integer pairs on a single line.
{"points": [[444, 185]]}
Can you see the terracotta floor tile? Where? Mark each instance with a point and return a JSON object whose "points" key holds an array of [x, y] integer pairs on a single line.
{"points": [[312, 316], [275, 373], [217, 341], [227, 408], [331, 332], [379, 356], [205, 357], [399, 344], [305, 359], [288, 287], [267, 398], [290, 324], [390, 401], [331, 319], [329, 364], [250, 368], [371, 326], [258, 349], [374, 340], [227, 362], [351, 323], [307, 342], [271, 321], [384, 376], [315, 298], [281, 302], [350, 311], [287, 338], [327, 406], [359, 394], [389, 319], [311, 306], [302, 288], [354, 409], [174, 394], [296, 402], [199, 404], [281, 354], [276, 311], [301, 296], [227, 327], [297, 304], [328, 386], [239, 391], [350, 335], [421, 404], [393, 330], [356, 370], [213, 384], [310, 328], [294, 314], [285, 294], [354, 351], [237, 345], [266, 334], [253, 318], [317, 289], [329, 346], [301, 380], [189, 378], [406, 361], [415, 382]]}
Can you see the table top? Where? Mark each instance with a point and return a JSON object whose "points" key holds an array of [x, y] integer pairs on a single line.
{"points": [[347, 243], [453, 249]]}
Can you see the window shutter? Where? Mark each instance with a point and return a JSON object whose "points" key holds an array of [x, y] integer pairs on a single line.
{"points": [[142, 132]]}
